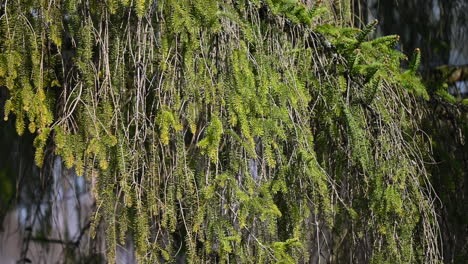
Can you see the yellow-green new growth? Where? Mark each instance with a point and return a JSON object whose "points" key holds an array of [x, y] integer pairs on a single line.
{"points": [[210, 144]]}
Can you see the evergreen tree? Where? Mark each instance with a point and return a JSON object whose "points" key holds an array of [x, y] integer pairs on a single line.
{"points": [[247, 131]]}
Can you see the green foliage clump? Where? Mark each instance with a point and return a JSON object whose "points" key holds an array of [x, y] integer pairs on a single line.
{"points": [[210, 143], [246, 131]]}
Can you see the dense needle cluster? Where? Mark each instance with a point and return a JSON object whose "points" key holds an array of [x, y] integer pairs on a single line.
{"points": [[228, 131]]}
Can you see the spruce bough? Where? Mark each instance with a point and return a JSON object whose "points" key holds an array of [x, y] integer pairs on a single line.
{"points": [[247, 132]]}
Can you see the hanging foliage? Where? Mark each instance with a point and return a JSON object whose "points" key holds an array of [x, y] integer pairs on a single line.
{"points": [[245, 131]]}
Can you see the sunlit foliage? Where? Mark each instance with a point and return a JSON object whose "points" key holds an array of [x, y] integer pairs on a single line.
{"points": [[246, 131]]}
